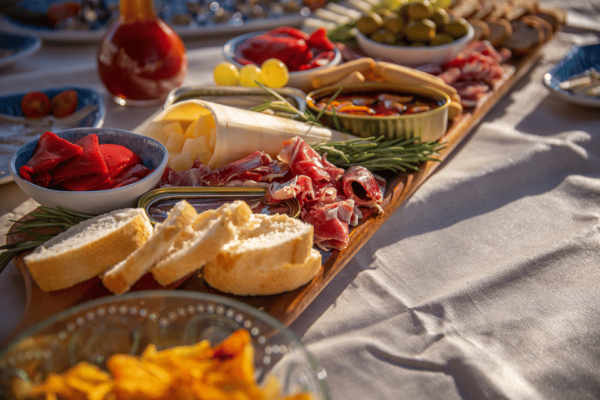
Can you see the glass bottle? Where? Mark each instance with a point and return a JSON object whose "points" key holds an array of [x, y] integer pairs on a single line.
{"points": [[141, 59]]}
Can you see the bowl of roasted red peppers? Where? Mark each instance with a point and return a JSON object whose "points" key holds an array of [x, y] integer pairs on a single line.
{"points": [[90, 170], [303, 54]]}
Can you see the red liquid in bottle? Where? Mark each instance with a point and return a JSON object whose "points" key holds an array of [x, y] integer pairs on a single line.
{"points": [[141, 59]]}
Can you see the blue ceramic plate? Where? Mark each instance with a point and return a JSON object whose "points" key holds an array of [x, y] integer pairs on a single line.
{"points": [[579, 60], [13, 136], [14, 47]]}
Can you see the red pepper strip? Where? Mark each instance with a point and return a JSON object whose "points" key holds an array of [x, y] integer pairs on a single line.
{"points": [[321, 59], [116, 157], [135, 171], [49, 152], [42, 179], [90, 161], [292, 52], [319, 40], [351, 109], [288, 31]]}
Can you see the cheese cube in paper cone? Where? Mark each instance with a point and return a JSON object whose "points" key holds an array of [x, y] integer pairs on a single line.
{"points": [[241, 132]]}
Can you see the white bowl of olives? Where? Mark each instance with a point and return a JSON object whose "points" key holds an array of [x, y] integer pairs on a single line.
{"points": [[416, 34]]}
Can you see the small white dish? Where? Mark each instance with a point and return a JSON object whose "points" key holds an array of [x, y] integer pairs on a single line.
{"points": [[154, 155], [414, 56], [298, 79]]}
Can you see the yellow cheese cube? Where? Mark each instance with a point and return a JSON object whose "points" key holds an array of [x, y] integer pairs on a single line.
{"points": [[205, 157], [196, 146], [173, 154], [173, 127], [204, 124], [175, 141], [189, 132], [213, 138], [182, 162]]}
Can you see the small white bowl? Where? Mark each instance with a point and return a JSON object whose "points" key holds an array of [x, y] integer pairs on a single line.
{"points": [[154, 155], [413, 56], [298, 79]]}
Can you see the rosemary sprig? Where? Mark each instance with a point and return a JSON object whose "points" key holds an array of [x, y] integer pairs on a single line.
{"points": [[344, 33], [378, 154], [52, 220]]}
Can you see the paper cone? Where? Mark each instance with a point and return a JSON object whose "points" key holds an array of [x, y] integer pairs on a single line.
{"points": [[241, 132]]}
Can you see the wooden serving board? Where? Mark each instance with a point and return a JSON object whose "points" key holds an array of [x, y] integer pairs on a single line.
{"points": [[287, 306]]}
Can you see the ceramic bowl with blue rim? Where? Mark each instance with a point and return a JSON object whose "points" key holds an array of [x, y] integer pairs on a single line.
{"points": [[576, 62], [153, 153], [298, 79], [16, 46], [86, 96]]}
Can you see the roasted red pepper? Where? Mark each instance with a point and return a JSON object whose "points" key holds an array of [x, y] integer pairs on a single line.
{"points": [[49, 152], [318, 39], [90, 161]]}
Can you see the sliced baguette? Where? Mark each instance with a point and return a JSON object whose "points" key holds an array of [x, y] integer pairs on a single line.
{"points": [[88, 249], [271, 254], [202, 241], [120, 278], [262, 279]]}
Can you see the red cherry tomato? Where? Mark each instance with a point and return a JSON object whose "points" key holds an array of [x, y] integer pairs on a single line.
{"points": [[64, 103], [61, 10], [35, 105]]}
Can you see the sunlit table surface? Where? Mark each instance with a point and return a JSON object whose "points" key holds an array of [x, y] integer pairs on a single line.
{"points": [[484, 285]]}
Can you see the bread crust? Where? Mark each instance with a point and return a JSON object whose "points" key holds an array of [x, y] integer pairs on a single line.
{"points": [[55, 270]]}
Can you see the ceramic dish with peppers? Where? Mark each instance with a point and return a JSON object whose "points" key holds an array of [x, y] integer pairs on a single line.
{"points": [[302, 54], [89, 170]]}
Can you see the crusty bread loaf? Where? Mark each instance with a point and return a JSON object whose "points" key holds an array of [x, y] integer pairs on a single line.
{"points": [[120, 278], [262, 279], [88, 249], [272, 254], [201, 241]]}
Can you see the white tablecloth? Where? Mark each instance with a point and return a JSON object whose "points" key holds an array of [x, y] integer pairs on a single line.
{"points": [[483, 285]]}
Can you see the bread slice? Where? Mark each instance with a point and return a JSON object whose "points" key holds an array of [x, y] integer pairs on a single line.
{"points": [[262, 279], [526, 34], [120, 278], [88, 248], [201, 241], [272, 254]]}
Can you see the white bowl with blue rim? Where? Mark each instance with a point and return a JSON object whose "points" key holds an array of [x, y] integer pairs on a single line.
{"points": [[577, 61], [17, 46], [298, 79], [154, 155], [21, 133]]}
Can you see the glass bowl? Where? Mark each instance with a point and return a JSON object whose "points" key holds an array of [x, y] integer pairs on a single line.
{"points": [[95, 330]]}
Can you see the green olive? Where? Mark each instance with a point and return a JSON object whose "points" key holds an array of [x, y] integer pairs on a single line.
{"points": [[440, 17], [384, 36], [367, 24], [418, 9], [420, 31], [456, 28], [393, 23], [441, 38], [418, 44]]}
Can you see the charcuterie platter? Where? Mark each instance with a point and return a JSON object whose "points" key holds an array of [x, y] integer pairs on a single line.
{"points": [[287, 306], [206, 144]]}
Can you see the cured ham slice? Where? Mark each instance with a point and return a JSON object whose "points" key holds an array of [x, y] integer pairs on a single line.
{"points": [[220, 176], [299, 187], [304, 160], [331, 224], [361, 186]]}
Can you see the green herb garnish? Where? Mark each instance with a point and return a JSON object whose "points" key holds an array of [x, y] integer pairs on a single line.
{"points": [[52, 220]]}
